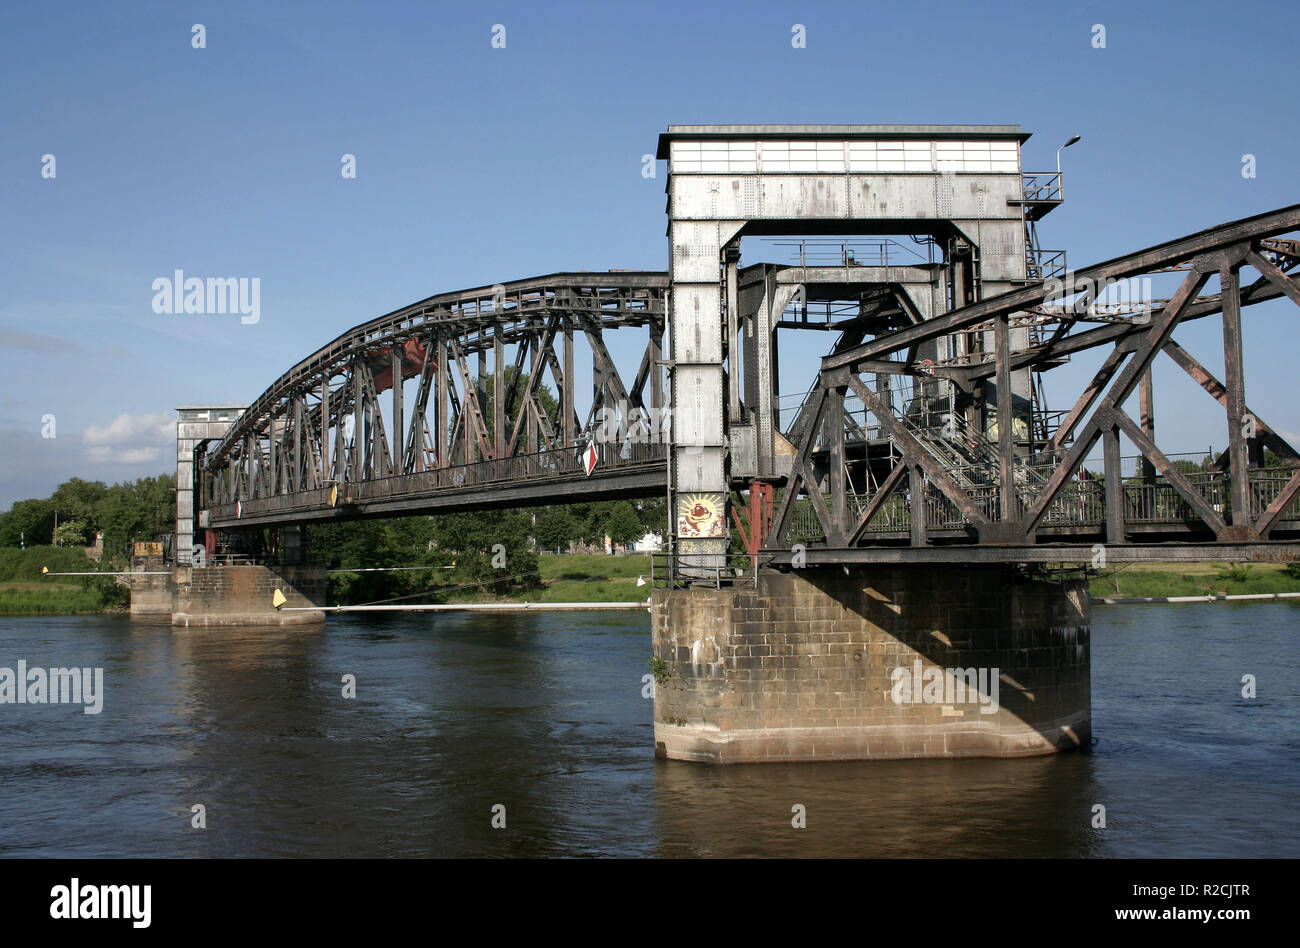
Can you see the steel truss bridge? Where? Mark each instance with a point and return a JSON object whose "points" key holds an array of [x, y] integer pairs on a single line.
{"points": [[875, 474], [316, 445], [948, 491]]}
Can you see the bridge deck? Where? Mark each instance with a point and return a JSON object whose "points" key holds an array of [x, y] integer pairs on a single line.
{"points": [[528, 480]]}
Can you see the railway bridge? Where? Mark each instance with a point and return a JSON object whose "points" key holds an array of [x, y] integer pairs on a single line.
{"points": [[898, 588]]}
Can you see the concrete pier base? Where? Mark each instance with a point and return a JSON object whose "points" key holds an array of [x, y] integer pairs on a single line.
{"points": [[151, 587], [815, 664], [151, 595], [241, 595]]}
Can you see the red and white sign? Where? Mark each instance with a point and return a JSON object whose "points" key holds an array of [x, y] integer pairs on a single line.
{"points": [[589, 458]]}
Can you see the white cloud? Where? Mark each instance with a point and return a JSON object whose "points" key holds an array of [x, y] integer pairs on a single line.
{"points": [[131, 439], [111, 455]]}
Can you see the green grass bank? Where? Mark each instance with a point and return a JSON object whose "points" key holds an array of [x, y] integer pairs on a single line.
{"points": [[597, 578]]}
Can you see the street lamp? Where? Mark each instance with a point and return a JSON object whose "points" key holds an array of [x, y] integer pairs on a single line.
{"points": [[1060, 182], [1073, 139], [1062, 148]]}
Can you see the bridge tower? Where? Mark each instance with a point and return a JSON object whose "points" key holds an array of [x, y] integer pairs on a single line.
{"points": [[195, 424], [802, 664], [956, 191]]}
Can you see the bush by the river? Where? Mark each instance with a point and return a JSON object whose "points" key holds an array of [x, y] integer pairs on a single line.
{"points": [[25, 590]]}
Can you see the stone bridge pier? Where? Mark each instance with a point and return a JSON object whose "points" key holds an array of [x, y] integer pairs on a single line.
{"points": [[876, 663], [242, 595]]}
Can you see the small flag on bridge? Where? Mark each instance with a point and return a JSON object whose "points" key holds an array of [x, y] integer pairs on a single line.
{"points": [[589, 458]]}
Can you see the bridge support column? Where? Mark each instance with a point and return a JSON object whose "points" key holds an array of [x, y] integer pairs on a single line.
{"points": [[241, 595], [699, 323], [151, 595], [292, 541], [881, 663]]}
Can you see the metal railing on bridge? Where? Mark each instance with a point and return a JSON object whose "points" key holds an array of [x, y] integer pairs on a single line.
{"points": [[829, 252], [673, 570], [611, 456], [1080, 506]]}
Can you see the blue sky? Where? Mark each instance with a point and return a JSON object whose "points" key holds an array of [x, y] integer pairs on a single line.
{"points": [[478, 165]]}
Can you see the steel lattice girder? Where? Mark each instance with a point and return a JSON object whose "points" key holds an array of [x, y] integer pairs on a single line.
{"points": [[510, 313], [1161, 257], [1221, 250], [282, 442]]}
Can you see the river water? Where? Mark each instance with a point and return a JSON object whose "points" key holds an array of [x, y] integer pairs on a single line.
{"points": [[543, 714]]}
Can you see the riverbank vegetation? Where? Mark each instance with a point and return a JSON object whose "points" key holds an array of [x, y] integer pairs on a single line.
{"points": [[1143, 580], [79, 512], [25, 590]]}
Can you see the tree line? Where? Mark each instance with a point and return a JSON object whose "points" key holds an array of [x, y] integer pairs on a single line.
{"points": [[491, 550], [143, 509], [494, 550]]}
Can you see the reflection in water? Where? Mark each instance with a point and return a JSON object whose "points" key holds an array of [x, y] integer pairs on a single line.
{"points": [[543, 714], [933, 808]]}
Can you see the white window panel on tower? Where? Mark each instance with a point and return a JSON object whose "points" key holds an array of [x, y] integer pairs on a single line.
{"points": [[830, 157], [775, 157], [917, 156], [862, 157], [742, 157], [948, 156], [804, 156], [889, 157], [685, 156], [975, 156], [1005, 156]]}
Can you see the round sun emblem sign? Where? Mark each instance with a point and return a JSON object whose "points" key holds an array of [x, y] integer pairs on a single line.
{"points": [[701, 515]]}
